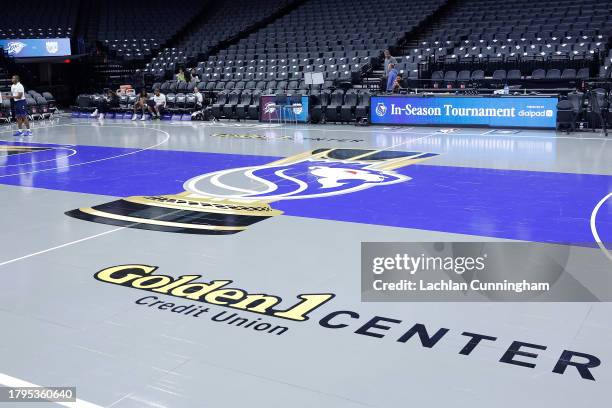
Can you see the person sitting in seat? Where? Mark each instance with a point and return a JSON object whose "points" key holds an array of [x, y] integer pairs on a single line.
{"points": [[180, 77], [104, 105], [194, 76], [198, 114], [397, 84], [199, 98], [141, 104], [159, 103]]}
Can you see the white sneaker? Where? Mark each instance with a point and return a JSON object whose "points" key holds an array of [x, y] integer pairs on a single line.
{"points": [[101, 116], [94, 114], [144, 117], [134, 117]]}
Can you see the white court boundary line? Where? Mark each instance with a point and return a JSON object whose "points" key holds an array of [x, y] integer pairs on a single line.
{"points": [[9, 381], [594, 227], [44, 161], [10, 261], [60, 246], [103, 159]]}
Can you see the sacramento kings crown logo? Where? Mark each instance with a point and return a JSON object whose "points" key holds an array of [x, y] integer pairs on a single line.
{"points": [[228, 201]]}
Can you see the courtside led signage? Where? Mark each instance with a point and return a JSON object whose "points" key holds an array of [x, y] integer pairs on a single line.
{"points": [[36, 47], [527, 112]]}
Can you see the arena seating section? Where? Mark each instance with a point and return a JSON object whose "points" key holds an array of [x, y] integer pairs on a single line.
{"points": [[222, 23], [135, 29], [38, 19], [241, 49], [558, 33], [338, 38]]}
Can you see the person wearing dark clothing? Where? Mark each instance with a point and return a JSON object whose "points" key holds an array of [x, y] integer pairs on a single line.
{"points": [[141, 104], [105, 104]]}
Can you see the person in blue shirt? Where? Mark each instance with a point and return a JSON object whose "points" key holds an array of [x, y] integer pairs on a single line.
{"points": [[391, 78]]}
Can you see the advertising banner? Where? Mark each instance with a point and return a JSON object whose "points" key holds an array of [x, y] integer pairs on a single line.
{"points": [[36, 47], [525, 112]]}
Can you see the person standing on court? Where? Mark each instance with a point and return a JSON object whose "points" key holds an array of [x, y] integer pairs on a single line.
{"points": [[392, 76], [389, 59], [21, 107]]}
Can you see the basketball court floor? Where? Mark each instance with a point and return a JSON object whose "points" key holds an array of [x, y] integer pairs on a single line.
{"points": [[90, 206]]}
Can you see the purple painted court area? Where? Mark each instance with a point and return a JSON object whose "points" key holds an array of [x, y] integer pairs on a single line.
{"points": [[523, 205]]}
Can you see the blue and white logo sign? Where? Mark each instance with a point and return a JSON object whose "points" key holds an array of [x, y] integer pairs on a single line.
{"points": [[52, 47], [381, 109], [528, 112], [14, 47], [36, 47]]}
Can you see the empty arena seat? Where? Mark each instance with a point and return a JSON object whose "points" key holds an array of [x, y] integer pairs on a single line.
{"points": [[566, 115], [499, 74], [254, 106], [568, 73], [332, 113], [347, 110], [583, 73], [514, 74], [553, 74], [242, 108], [464, 76], [362, 110], [230, 106], [538, 74], [450, 76], [478, 75], [217, 107]]}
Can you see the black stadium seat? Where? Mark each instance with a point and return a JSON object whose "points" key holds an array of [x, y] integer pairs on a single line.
{"points": [[332, 113], [230, 105], [254, 106], [538, 74], [499, 75], [363, 105], [347, 110], [242, 108], [217, 107]]}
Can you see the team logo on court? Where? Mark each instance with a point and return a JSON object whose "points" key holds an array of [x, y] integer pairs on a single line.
{"points": [[52, 47], [229, 201], [15, 47], [381, 109], [270, 108]]}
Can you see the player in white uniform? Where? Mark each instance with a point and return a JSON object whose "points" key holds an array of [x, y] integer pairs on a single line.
{"points": [[21, 108]]}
